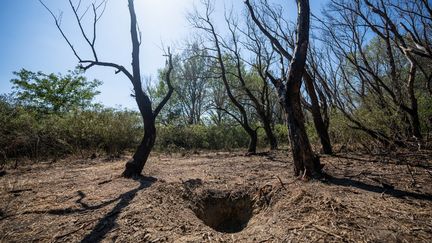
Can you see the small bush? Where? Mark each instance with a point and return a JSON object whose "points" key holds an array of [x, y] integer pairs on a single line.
{"points": [[201, 137], [25, 133], [35, 135]]}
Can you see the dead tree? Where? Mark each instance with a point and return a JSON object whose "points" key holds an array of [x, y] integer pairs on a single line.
{"points": [[205, 24], [135, 166], [267, 104], [260, 99], [281, 37], [404, 46], [305, 161]]}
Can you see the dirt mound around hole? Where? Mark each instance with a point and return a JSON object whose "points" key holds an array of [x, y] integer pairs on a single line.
{"points": [[224, 211]]}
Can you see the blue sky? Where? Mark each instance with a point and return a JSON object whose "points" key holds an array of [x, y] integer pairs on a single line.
{"points": [[29, 39]]}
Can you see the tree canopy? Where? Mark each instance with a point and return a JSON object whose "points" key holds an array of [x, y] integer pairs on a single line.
{"points": [[54, 92]]}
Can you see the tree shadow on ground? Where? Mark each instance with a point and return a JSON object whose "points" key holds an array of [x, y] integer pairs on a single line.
{"points": [[346, 182], [399, 159], [84, 206], [108, 222], [271, 155]]}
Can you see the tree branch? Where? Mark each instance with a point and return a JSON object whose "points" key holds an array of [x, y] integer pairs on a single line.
{"points": [[168, 81]]}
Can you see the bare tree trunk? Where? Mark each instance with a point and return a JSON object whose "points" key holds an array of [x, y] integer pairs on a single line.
{"points": [[243, 119], [320, 127], [305, 161], [413, 112], [270, 135], [253, 141], [135, 166]]}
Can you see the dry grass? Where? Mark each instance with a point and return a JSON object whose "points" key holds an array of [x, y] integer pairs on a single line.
{"points": [[367, 199]]}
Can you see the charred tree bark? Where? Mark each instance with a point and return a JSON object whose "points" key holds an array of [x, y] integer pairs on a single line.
{"points": [[306, 163], [413, 111], [253, 136], [270, 135], [135, 166], [320, 126]]}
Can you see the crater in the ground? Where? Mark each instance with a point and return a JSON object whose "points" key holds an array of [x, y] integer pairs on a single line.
{"points": [[227, 212]]}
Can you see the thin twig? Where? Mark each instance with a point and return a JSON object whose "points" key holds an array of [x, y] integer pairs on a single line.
{"points": [[326, 231], [282, 184], [71, 232], [414, 182]]}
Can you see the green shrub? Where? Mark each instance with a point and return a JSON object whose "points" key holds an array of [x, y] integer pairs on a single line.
{"points": [[25, 133], [201, 137]]}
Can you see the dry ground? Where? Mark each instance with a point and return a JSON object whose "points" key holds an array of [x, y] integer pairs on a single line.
{"points": [[246, 199]]}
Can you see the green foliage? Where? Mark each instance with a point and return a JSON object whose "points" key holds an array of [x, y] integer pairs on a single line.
{"points": [[425, 111], [381, 102], [25, 133], [312, 133], [191, 79], [201, 137], [340, 131], [281, 133], [107, 129], [212, 137], [54, 92]]}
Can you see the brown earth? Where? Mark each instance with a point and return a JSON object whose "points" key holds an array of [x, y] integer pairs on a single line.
{"points": [[385, 198]]}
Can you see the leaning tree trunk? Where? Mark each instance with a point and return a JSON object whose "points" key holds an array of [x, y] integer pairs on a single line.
{"points": [[135, 166], [253, 141], [270, 135], [320, 127], [305, 161], [413, 112]]}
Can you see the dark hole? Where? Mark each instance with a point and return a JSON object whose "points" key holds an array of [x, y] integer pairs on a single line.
{"points": [[225, 212]]}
